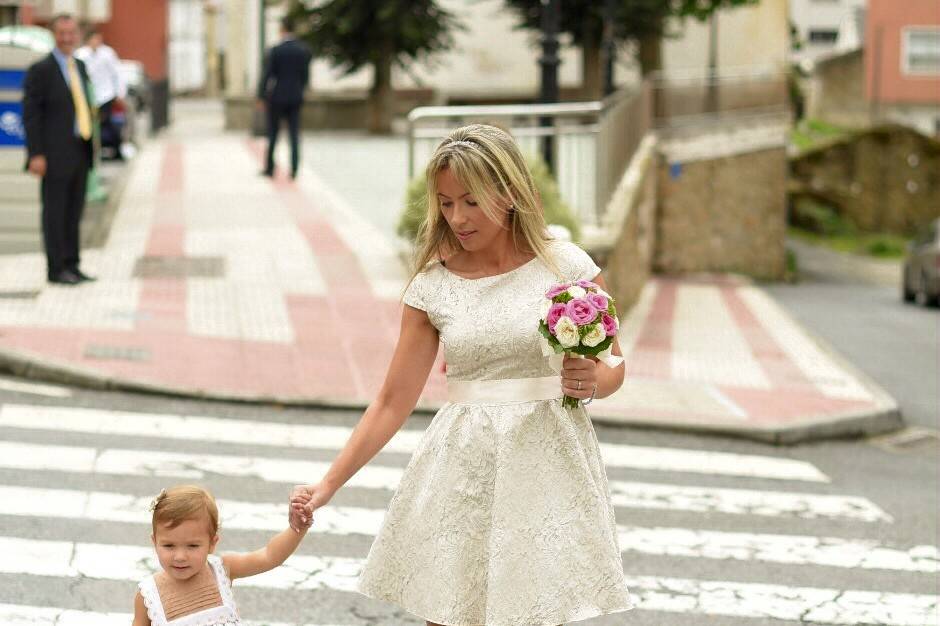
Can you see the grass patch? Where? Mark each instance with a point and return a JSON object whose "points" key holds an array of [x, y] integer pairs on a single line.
{"points": [[878, 245], [809, 133]]}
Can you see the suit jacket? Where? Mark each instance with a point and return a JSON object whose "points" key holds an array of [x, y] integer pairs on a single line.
{"points": [[49, 117], [286, 73]]}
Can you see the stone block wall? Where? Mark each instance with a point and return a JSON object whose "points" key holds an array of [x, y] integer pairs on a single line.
{"points": [[885, 179], [723, 214]]}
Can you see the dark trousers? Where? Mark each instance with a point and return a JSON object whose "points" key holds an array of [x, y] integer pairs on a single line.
{"points": [[110, 132], [276, 113], [63, 200]]}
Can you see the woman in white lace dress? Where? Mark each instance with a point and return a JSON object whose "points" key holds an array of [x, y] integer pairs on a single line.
{"points": [[503, 514]]}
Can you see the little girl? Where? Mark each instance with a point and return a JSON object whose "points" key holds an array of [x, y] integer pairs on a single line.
{"points": [[194, 586]]}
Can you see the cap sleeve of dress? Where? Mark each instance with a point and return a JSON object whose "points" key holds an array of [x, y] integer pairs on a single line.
{"points": [[416, 294], [576, 264]]}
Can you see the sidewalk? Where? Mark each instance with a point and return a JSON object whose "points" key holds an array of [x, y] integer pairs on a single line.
{"points": [[219, 283]]}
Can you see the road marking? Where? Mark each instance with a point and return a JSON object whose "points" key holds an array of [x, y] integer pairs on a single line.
{"points": [[744, 502], [340, 520], [708, 597], [256, 433], [178, 465], [18, 386], [25, 615]]}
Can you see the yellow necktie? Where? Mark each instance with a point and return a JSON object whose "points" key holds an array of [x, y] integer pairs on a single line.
{"points": [[82, 114]]}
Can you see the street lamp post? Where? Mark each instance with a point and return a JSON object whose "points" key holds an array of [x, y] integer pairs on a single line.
{"points": [[551, 21]]}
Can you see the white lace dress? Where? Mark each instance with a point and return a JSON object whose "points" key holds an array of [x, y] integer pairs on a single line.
{"points": [[224, 615], [503, 514]]}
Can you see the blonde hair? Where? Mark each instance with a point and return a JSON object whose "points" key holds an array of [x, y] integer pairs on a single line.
{"points": [[486, 160], [178, 504]]}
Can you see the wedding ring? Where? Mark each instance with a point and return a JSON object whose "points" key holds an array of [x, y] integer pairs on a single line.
{"points": [[579, 385]]}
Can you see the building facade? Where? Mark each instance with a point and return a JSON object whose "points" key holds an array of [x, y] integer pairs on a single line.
{"points": [[902, 62]]}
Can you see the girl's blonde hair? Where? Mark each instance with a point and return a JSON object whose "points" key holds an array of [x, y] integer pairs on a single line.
{"points": [[486, 161], [178, 504]]}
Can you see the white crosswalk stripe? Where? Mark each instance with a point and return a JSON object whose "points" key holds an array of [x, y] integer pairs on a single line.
{"points": [[345, 520], [699, 600], [195, 428], [375, 476]]}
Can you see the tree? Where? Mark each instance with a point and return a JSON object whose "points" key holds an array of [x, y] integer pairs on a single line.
{"points": [[354, 34], [642, 21]]}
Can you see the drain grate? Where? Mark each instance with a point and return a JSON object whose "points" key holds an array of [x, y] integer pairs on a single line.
{"points": [[116, 353], [179, 267]]}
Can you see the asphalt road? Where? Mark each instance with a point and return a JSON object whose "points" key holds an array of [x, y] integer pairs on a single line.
{"points": [[730, 538]]}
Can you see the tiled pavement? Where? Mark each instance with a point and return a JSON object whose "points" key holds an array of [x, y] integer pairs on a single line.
{"points": [[215, 281]]}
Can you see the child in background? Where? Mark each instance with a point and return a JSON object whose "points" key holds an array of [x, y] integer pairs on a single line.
{"points": [[195, 584]]}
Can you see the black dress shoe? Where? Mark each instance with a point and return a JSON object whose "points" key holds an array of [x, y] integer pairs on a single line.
{"points": [[266, 173], [82, 275], [65, 277]]}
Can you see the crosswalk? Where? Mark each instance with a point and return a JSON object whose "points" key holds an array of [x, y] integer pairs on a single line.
{"points": [[75, 484]]}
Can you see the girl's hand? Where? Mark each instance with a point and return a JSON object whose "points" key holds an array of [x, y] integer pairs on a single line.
{"points": [[304, 500], [575, 371]]}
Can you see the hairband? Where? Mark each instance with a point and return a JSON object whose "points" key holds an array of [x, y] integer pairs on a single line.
{"points": [[461, 142], [156, 501]]}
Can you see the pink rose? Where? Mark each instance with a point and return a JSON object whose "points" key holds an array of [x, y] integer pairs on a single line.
{"points": [[580, 311], [586, 284], [610, 325], [556, 311], [598, 301], [555, 290]]}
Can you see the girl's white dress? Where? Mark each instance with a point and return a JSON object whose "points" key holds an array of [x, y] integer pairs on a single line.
{"points": [[503, 515], [224, 615]]}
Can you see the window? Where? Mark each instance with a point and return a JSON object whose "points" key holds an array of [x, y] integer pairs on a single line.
{"points": [[823, 36], [920, 51]]}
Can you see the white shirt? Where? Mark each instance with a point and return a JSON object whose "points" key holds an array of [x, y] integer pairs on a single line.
{"points": [[104, 70]]}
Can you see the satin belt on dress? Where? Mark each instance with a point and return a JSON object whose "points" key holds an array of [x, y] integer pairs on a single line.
{"points": [[504, 391]]}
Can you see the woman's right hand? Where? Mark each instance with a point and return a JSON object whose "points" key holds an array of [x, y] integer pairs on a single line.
{"points": [[304, 500]]}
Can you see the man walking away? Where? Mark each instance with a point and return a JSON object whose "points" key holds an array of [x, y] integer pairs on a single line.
{"points": [[104, 69], [281, 92], [57, 116]]}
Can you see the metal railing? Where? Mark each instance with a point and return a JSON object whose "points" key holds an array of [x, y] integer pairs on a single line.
{"points": [[592, 141]]}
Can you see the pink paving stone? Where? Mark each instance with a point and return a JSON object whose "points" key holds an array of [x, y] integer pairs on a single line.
{"points": [[171, 169], [649, 364], [166, 240], [656, 332], [777, 365], [773, 406]]}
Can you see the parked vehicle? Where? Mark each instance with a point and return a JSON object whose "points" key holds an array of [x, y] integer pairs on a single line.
{"points": [[921, 281]]}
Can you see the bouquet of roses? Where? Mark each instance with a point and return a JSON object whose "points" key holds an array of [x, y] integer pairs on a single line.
{"points": [[578, 319]]}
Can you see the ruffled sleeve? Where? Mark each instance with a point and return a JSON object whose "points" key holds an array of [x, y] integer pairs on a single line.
{"points": [[575, 263]]}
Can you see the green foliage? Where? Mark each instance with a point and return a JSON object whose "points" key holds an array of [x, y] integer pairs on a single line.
{"points": [[633, 20], [556, 211], [810, 133], [353, 33], [814, 216]]}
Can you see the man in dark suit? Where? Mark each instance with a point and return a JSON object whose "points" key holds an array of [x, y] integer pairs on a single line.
{"points": [[57, 116], [281, 92]]}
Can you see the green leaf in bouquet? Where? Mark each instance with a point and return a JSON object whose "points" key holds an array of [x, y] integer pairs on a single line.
{"points": [[564, 297]]}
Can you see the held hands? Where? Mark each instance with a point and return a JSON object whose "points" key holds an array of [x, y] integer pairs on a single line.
{"points": [[304, 500], [579, 377], [37, 165]]}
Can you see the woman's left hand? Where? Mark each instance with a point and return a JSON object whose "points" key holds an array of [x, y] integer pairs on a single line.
{"points": [[579, 377]]}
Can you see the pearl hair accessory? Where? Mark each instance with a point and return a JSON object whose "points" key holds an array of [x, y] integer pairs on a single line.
{"points": [[462, 143]]}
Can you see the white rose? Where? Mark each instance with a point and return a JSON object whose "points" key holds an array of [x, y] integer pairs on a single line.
{"points": [[566, 331], [576, 292], [594, 336], [604, 293], [546, 305]]}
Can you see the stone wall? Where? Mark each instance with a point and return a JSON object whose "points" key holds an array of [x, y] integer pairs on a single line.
{"points": [[837, 91], [885, 179], [723, 214], [623, 244]]}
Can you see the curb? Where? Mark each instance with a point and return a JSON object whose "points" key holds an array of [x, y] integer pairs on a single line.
{"points": [[885, 418]]}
